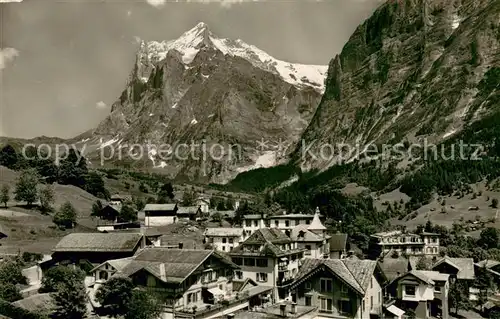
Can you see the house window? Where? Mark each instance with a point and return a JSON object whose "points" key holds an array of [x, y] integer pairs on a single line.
{"points": [[231, 240], [437, 289], [261, 277], [343, 289], [248, 223], [262, 262], [371, 283], [326, 285], [276, 223], [151, 281], [231, 248], [192, 297], [238, 261], [345, 306], [103, 275], [287, 223], [255, 223], [296, 222], [363, 305], [238, 274], [224, 240], [308, 250], [223, 248], [308, 301], [250, 262], [410, 290], [307, 285], [308, 222], [371, 303], [325, 304]]}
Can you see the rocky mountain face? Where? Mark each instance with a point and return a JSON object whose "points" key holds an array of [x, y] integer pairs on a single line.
{"points": [[416, 69], [198, 105]]}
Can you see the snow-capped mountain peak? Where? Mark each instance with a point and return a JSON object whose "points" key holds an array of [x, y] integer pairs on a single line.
{"points": [[191, 41]]}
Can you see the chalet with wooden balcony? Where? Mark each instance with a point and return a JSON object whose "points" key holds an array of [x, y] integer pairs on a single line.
{"points": [[312, 238], [347, 288], [193, 282], [270, 258], [423, 292]]}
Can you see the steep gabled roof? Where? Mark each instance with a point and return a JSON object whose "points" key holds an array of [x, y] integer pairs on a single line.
{"points": [[316, 223], [355, 273], [224, 231], [170, 265], [98, 242], [159, 207], [465, 266], [301, 233]]}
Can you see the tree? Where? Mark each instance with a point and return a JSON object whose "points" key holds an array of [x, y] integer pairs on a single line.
{"points": [[94, 184], [96, 208], [46, 196], [489, 238], [217, 217], [494, 203], [143, 306], [127, 213], [189, 197], [26, 187], [9, 292], [10, 272], [70, 298], [143, 188], [8, 156], [459, 296], [66, 216], [165, 194], [4, 195], [115, 296], [73, 169], [56, 276], [139, 204], [484, 281]]}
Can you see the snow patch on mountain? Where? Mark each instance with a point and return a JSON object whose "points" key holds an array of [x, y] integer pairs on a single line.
{"points": [[190, 43]]}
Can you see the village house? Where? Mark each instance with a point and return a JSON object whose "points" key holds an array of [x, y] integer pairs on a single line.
{"points": [[204, 204], [423, 292], [312, 238], [194, 283], [398, 242], [269, 257], [224, 239], [286, 222], [461, 269], [189, 213], [89, 249], [338, 246], [160, 214], [347, 288], [119, 199], [253, 222]]}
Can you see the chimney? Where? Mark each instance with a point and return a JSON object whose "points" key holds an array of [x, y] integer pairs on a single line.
{"points": [[294, 308], [181, 245], [230, 316], [283, 310]]}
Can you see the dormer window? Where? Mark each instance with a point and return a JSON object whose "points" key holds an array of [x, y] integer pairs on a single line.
{"points": [[302, 234]]}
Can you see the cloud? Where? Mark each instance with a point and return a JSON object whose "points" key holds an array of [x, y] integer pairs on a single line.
{"points": [[156, 3], [223, 3], [7, 55], [100, 105]]}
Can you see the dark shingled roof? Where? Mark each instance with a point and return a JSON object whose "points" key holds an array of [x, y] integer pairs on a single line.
{"points": [[170, 265], [36, 303], [338, 242], [270, 239], [354, 272], [98, 242], [465, 266], [160, 207], [188, 210], [394, 267]]}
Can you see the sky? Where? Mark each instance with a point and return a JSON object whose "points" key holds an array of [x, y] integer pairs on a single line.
{"points": [[64, 62]]}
